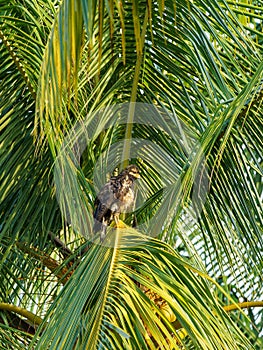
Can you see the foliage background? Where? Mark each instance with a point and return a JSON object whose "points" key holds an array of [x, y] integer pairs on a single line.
{"points": [[59, 61]]}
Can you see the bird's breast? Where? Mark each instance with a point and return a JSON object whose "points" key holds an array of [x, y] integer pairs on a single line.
{"points": [[125, 200], [128, 199]]}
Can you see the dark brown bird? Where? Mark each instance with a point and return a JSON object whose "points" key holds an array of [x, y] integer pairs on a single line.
{"points": [[116, 196]]}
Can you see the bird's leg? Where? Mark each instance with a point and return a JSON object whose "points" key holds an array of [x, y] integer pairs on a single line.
{"points": [[119, 223], [117, 218]]}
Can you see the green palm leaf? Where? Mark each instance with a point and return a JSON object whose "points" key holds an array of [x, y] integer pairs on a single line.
{"points": [[65, 64], [113, 301]]}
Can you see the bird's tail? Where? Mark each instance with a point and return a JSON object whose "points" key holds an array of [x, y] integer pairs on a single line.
{"points": [[103, 233], [97, 226]]}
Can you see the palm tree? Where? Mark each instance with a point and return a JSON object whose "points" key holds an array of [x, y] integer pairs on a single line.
{"points": [[180, 83]]}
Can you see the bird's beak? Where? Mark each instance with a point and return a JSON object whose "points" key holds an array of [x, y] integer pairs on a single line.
{"points": [[137, 176]]}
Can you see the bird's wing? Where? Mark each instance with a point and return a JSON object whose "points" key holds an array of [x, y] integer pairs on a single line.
{"points": [[102, 205]]}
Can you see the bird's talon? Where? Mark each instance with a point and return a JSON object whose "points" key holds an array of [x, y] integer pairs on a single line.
{"points": [[121, 224]]}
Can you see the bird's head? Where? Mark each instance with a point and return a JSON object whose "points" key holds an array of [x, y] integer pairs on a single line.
{"points": [[132, 171]]}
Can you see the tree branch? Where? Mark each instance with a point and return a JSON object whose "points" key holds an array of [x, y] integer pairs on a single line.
{"points": [[66, 252], [62, 273], [34, 319], [244, 305]]}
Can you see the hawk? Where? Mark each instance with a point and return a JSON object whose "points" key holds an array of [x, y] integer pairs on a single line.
{"points": [[116, 196]]}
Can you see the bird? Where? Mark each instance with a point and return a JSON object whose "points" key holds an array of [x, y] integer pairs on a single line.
{"points": [[115, 197]]}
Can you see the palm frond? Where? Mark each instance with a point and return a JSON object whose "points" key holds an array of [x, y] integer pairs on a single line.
{"points": [[114, 282], [195, 70]]}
